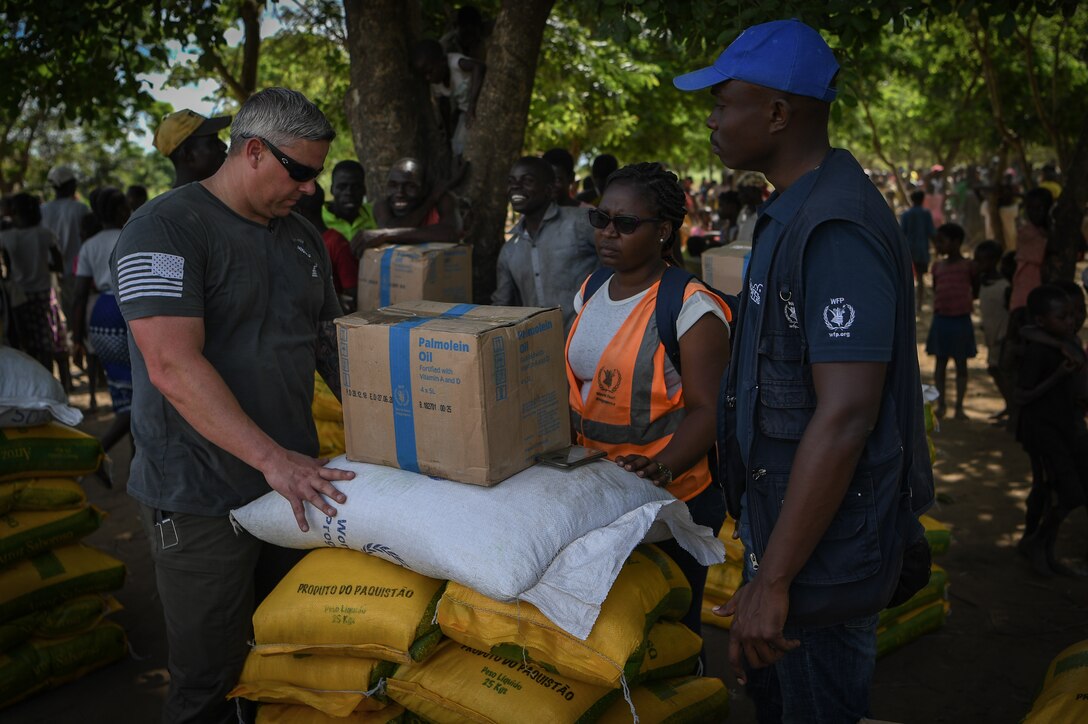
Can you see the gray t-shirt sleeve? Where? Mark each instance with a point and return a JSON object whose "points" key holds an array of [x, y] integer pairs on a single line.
{"points": [[159, 268]]}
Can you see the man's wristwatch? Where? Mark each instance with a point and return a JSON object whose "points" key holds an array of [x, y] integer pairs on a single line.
{"points": [[665, 471]]}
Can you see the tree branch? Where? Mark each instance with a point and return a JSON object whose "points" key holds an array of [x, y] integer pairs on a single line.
{"points": [[980, 38], [1028, 42], [233, 85]]}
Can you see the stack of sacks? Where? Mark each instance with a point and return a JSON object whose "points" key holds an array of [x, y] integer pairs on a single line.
{"points": [[927, 610], [328, 418], [555, 539], [546, 543], [46, 597], [508, 662], [922, 613], [333, 629], [1064, 697], [723, 580], [51, 587], [938, 535]]}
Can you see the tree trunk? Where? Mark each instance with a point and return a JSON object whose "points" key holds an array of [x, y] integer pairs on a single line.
{"points": [[495, 141], [1067, 240], [387, 106]]}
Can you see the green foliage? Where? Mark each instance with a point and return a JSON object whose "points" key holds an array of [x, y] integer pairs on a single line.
{"points": [[86, 60], [78, 67]]}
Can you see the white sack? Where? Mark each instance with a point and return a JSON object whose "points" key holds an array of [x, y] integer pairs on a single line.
{"points": [[554, 538], [30, 395]]}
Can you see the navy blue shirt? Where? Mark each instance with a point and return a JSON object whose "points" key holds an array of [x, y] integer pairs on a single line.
{"points": [[850, 295]]}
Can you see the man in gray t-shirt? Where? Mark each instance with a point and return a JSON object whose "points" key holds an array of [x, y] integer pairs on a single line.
{"points": [[229, 300]]}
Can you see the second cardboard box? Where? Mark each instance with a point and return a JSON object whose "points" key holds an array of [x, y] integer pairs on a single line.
{"points": [[407, 272]]}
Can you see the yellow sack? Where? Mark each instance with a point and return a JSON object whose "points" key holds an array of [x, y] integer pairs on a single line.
{"points": [[649, 586], [910, 626], [671, 649], [935, 590], [329, 418], [335, 685], [44, 663], [691, 700], [707, 615], [47, 451], [41, 494], [938, 534], [325, 405], [461, 684], [337, 601], [291, 714], [723, 580], [46, 580], [28, 533], [1064, 697], [66, 619], [330, 438]]}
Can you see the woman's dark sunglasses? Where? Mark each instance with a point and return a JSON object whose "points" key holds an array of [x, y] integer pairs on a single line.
{"points": [[622, 224], [298, 171]]}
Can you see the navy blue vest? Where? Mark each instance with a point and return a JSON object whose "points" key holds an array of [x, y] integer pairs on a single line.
{"points": [[855, 568]]}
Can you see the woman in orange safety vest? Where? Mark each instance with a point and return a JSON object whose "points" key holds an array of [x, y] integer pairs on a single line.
{"points": [[626, 397]]}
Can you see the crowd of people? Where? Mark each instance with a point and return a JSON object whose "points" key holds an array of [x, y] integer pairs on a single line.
{"points": [[209, 308]]}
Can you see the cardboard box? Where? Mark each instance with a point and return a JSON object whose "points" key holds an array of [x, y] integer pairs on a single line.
{"points": [[464, 392], [407, 272], [724, 267]]}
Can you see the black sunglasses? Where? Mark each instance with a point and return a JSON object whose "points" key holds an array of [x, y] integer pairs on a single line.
{"points": [[298, 171], [622, 224]]}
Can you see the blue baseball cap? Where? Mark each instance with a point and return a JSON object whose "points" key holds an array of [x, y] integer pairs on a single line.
{"points": [[786, 55]]}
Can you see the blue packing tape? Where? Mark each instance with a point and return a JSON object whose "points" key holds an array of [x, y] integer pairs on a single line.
{"points": [[400, 379]]}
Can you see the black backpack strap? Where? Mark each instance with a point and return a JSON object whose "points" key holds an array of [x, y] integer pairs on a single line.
{"points": [[670, 300], [596, 281]]}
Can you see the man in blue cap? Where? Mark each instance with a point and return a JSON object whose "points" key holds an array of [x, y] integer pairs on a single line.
{"points": [[822, 442]]}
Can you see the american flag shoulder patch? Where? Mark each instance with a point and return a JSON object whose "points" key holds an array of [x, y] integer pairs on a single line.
{"points": [[149, 274]]}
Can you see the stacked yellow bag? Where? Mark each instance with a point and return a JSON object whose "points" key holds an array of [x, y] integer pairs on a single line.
{"points": [[925, 612], [723, 580], [52, 588], [329, 419], [333, 629], [510, 663], [53, 635], [1064, 697]]}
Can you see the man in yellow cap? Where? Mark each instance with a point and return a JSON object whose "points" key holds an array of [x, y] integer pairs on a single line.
{"points": [[192, 144]]}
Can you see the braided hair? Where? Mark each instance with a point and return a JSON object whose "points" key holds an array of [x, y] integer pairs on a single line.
{"points": [[662, 189]]}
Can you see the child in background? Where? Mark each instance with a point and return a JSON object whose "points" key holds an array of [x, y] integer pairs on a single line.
{"points": [[455, 82], [1051, 427], [993, 302], [952, 336], [1031, 244]]}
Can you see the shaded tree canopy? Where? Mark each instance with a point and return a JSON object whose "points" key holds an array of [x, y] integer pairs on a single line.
{"points": [[922, 81]]}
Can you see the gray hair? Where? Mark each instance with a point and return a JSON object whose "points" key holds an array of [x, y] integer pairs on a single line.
{"points": [[281, 116]]}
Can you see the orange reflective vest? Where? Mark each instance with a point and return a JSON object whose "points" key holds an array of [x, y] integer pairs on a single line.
{"points": [[628, 410]]}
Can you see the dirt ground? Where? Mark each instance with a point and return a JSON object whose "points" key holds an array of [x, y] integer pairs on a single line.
{"points": [[985, 665]]}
